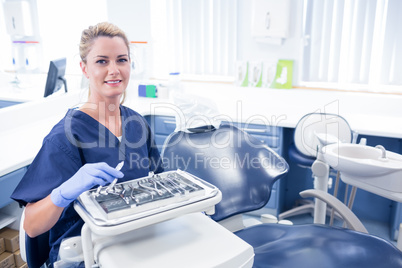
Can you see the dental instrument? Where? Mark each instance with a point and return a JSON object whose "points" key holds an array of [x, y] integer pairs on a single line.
{"points": [[111, 186]]}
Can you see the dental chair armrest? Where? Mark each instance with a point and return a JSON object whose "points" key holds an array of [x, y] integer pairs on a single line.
{"points": [[348, 216]]}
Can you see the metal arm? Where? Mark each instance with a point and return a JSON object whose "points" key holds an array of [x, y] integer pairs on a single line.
{"points": [[350, 218]]}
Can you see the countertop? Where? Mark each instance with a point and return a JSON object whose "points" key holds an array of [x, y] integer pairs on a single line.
{"points": [[24, 126]]}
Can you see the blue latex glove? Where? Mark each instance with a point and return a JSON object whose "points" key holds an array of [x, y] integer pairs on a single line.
{"points": [[86, 177]]}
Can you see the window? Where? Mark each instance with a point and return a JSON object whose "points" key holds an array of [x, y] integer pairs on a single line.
{"points": [[353, 44], [58, 26], [194, 37], [61, 24]]}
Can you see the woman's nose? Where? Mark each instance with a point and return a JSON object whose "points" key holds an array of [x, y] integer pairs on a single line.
{"points": [[113, 69]]}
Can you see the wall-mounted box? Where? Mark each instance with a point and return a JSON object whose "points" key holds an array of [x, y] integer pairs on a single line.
{"points": [[17, 15], [271, 20]]}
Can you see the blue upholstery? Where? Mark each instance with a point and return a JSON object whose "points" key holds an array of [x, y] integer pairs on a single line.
{"points": [[37, 250], [245, 189], [299, 158], [277, 245], [244, 170]]}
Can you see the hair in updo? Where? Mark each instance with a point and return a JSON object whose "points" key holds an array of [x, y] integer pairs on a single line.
{"points": [[89, 35]]}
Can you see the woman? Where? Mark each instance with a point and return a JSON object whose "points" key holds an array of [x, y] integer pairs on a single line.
{"points": [[84, 148]]}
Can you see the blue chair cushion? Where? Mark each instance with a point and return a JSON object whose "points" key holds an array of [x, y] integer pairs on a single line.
{"points": [[240, 165], [299, 158], [277, 245]]}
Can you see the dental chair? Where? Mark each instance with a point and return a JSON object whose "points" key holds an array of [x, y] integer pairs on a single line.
{"points": [[245, 170], [304, 152]]}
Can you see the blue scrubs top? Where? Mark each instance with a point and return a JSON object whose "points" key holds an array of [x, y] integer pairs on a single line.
{"points": [[79, 139]]}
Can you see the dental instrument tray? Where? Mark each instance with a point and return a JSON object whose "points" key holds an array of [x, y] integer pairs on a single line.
{"points": [[172, 193]]}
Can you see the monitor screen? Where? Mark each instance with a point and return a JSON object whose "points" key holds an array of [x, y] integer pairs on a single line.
{"points": [[55, 76]]}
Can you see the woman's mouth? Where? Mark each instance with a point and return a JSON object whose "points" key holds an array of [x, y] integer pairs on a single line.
{"points": [[113, 81]]}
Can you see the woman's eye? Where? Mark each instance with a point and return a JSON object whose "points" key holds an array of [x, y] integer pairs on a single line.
{"points": [[101, 61], [123, 60]]}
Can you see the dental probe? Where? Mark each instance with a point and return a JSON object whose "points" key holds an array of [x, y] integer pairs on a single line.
{"points": [[110, 187], [118, 167]]}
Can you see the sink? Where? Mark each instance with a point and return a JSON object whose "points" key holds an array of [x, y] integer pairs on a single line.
{"points": [[366, 165]]}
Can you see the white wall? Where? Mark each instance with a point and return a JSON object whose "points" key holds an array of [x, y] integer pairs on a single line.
{"points": [[250, 49], [135, 20], [132, 16], [61, 24]]}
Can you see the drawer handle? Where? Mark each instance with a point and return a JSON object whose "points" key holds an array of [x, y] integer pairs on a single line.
{"points": [[169, 122], [255, 130]]}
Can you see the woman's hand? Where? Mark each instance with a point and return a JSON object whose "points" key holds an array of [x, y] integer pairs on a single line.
{"points": [[86, 177]]}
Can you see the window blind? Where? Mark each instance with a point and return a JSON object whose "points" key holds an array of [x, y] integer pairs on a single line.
{"points": [[353, 43], [200, 36]]}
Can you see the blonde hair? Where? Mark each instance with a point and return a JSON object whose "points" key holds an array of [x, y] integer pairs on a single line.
{"points": [[89, 36], [106, 29]]}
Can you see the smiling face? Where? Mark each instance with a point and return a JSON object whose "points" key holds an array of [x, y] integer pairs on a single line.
{"points": [[108, 69]]}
